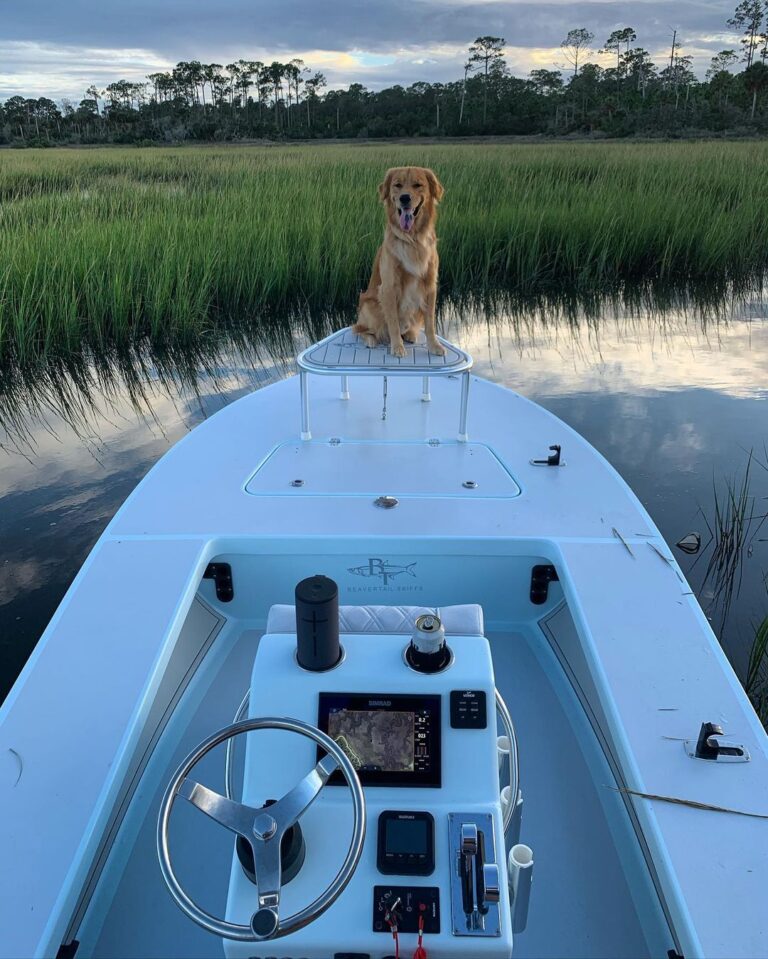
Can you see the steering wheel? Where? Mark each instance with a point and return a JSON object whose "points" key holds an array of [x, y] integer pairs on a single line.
{"points": [[263, 829]]}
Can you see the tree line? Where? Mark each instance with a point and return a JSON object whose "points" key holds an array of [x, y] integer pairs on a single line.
{"points": [[627, 94]]}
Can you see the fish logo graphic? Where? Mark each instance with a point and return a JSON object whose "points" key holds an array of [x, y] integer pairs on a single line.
{"points": [[382, 568]]}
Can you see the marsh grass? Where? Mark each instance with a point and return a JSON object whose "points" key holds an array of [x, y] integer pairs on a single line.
{"points": [[737, 520], [756, 682], [102, 245]]}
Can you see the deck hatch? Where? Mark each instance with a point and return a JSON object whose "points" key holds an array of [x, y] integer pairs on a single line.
{"points": [[372, 469]]}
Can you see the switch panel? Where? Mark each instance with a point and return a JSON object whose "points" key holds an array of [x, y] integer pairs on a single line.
{"points": [[468, 709], [406, 903]]}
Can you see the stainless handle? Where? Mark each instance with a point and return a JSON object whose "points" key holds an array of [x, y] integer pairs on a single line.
{"points": [[491, 882], [469, 838]]}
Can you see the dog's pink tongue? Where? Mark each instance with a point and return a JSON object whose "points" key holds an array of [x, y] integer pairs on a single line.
{"points": [[406, 220]]}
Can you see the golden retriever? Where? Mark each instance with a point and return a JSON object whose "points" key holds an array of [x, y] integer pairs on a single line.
{"points": [[401, 293]]}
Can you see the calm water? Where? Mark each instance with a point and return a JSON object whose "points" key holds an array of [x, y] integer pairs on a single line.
{"points": [[674, 398]]}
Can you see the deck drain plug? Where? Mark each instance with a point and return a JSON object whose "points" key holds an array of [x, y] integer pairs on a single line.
{"points": [[386, 502], [469, 484], [297, 482]]}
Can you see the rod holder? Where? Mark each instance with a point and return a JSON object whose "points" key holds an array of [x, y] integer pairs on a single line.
{"points": [[520, 873], [512, 832], [502, 753]]}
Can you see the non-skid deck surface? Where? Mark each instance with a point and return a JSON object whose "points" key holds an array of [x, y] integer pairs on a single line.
{"points": [[347, 350]]}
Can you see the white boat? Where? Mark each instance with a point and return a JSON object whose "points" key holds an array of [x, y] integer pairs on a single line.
{"points": [[638, 804]]}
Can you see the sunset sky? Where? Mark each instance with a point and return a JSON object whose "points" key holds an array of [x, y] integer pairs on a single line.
{"points": [[57, 49]]}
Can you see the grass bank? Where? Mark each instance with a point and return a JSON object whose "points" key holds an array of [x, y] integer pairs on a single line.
{"points": [[104, 245]]}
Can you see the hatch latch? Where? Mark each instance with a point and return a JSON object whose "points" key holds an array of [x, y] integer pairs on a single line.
{"points": [[713, 746], [552, 460]]}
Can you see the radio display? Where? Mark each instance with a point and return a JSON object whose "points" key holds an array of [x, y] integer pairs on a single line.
{"points": [[406, 843], [406, 836], [391, 740]]}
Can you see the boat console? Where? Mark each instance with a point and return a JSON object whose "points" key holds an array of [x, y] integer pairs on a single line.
{"points": [[370, 822]]}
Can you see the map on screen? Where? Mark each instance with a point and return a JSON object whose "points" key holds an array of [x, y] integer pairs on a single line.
{"points": [[375, 739]]}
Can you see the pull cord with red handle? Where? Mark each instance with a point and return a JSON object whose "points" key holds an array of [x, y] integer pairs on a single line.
{"points": [[396, 937], [421, 952], [391, 919]]}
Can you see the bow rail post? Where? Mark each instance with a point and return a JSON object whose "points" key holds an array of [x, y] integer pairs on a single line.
{"points": [[305, 431]]}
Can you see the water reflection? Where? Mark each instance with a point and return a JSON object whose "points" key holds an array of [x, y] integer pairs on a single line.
{"points": [[673, 393]]}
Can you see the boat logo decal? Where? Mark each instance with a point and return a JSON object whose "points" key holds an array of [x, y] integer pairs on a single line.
{"points": [[383, 570]]}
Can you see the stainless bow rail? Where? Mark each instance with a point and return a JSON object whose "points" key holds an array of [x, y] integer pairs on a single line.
{"points": [[345, 354]]}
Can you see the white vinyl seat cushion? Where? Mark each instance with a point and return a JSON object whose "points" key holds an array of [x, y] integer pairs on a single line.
{"points": [[466, 620]]}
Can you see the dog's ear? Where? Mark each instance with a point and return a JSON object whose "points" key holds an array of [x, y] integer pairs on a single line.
{"points": [[435, 186], [385, 185]]}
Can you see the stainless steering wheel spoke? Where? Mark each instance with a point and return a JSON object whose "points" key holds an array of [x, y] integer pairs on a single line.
{"points": [[228, 813], [294, 804], [269, 827], [266, 861]]}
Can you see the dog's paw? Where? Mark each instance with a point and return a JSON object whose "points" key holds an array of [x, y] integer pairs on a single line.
{"points": [[436, 349], [398, 349]]}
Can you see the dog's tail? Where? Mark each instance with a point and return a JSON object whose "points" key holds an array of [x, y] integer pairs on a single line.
{"points": [[360, 328]]}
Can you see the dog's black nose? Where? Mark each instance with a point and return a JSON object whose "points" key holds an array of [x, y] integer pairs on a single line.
{"points": [[405, 200]]}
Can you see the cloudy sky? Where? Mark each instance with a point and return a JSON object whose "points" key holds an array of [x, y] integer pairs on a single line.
{"points": [[57, 48]]}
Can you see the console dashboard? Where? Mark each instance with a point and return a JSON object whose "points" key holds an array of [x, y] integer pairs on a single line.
{"points": [[424, 747]]}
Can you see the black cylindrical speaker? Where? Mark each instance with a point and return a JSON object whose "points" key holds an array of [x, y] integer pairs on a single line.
{"points": [[317, 623]]}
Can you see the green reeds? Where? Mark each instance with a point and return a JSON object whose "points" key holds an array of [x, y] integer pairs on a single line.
{"points": [[756, 682], [104, 245], [736, 523], [737, 519]]}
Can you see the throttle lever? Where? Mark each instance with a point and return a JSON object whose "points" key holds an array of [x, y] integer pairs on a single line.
{"points": [[475, 893], [482, 908], [468, 852]]}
